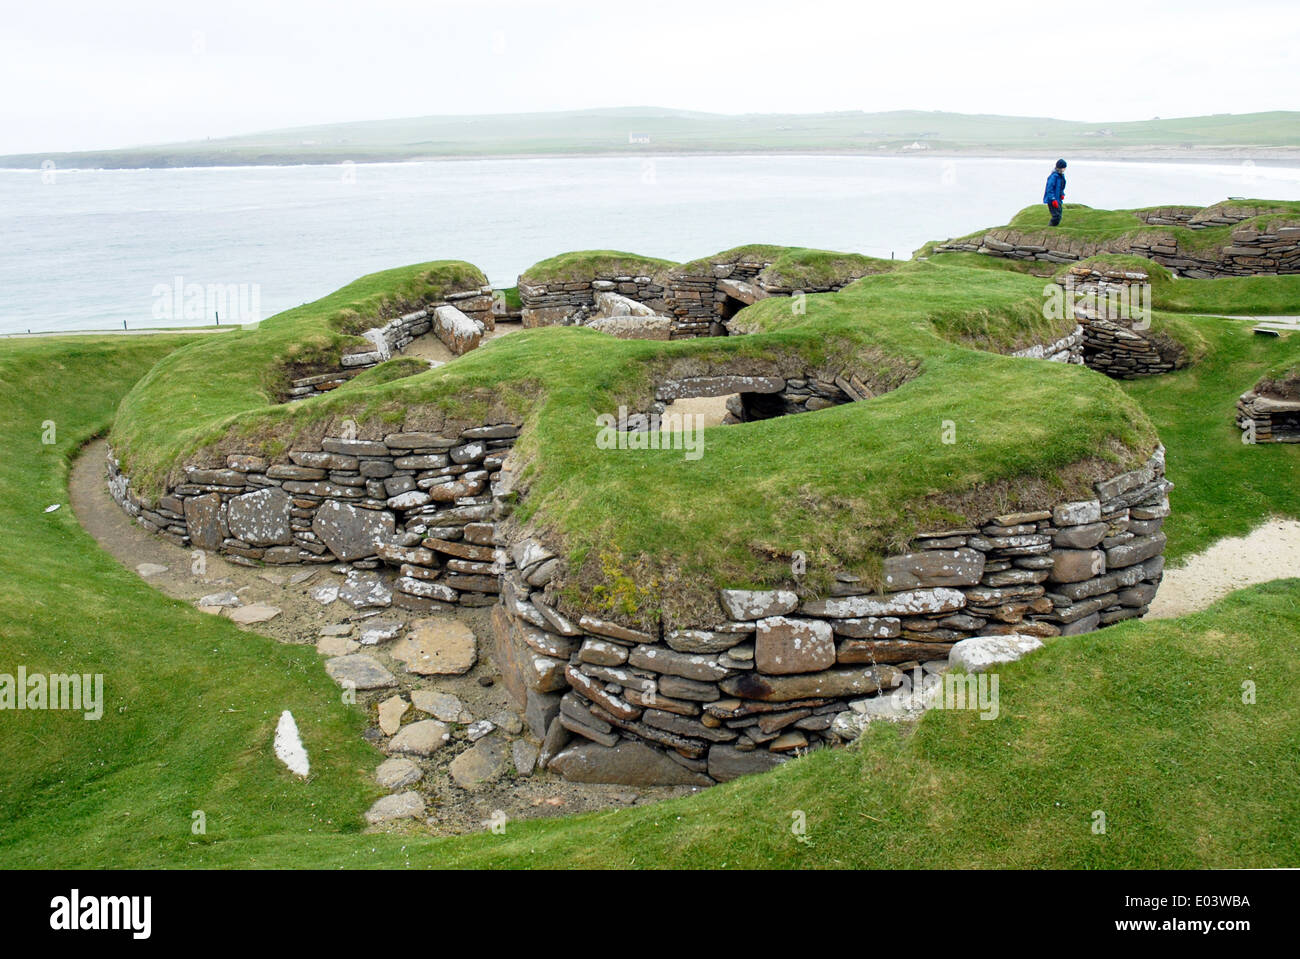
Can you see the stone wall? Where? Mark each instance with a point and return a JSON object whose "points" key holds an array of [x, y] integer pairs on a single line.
{"points": [[422, 502], [1114, 310], [1274, 250], [551, 304], [763, 679], [1268, 414], [698, 299], [453, 320], [1068, 349], [769, 675]]}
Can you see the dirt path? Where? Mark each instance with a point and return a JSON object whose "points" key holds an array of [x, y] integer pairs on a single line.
{"points": [[429, 347], [1270, 551], [450, 808]]}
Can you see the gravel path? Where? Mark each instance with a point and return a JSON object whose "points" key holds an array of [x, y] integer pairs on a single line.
{"points": [[1270, 551]]}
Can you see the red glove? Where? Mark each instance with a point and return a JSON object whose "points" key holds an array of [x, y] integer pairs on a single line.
{"points": [[1055, 204]]}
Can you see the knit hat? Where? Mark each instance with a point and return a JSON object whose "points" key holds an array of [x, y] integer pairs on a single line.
{"points": [[1060, 164]]}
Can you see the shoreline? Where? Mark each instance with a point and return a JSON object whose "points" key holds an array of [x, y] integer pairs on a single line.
{"points": [[1263, 156]]}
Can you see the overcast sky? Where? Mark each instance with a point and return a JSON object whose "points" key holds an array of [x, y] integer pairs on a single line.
{"points": [[84, 74]]}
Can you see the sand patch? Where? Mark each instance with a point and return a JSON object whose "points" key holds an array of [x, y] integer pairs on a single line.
{"points": [[1270, 551]]}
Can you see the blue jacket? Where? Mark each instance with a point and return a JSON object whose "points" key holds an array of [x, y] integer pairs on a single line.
{"points": [[1055, 187]]}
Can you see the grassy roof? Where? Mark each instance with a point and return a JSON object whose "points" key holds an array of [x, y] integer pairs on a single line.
{"points": [[799, 268], [587, 265], [1101, 231], [844, 485]]}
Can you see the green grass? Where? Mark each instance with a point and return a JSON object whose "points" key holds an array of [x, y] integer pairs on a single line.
{"points": [[1108, 231], [1224, 487], [845, 485], [586, 265], [1143, 721], [215, 378], [1234, 295], [191, 702], [1237, 295]]}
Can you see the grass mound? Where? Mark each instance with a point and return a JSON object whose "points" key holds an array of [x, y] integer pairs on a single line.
{"points": [[587, 265], [1091, 231], [844, 485], [1144, 721]]}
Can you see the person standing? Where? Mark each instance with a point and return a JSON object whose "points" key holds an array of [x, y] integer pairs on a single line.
{"points": [[1054, 195]]}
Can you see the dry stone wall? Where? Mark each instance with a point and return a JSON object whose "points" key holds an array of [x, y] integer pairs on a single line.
{"points": [[1274, 249], [459, 321], [1269, 415], [425, 503], [767, 678], [764, 679], [697, 299], [1114, 310], [552, 304]]}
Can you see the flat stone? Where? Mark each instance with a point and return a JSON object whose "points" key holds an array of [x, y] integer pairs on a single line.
{"points": [[350, 532], [917, 602], [869, 627], [407, 805], [261, 518], [978, 653], [362, 589], [827, 684], [253, 614], [601, 653], [687, 665], [359, 671], [336, 645], [333, 444], [1080, 537], [524, 755], [398, 772], [147, 570], [626, 764], [853, 651], [703, 640], [443, 706], [934, 567], [483, 761], [420, 738], [752, 604], [1135, 551], [614, 631], [783, 645], [717, 386], [223, 599], [203, 521], [374, 632], [438, 646], [789, 742], [727, 762], [1076, 565], [539, 709], [391, 711]]}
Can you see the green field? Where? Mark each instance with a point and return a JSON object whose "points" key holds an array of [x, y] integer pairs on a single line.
{"points": [[846, 487], [659, 130], [1143, 721]]}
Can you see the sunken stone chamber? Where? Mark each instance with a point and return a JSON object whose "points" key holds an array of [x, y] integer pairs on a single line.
{"points": [[776, 674]]}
